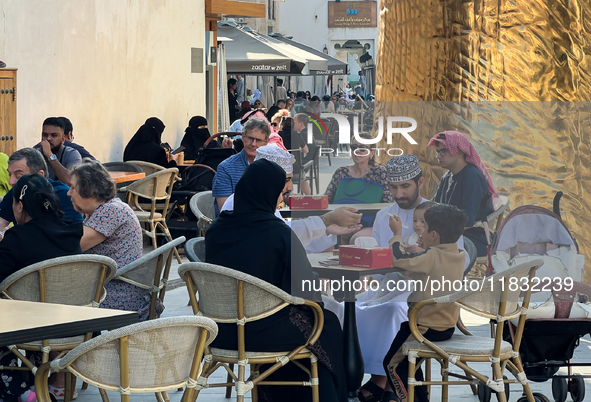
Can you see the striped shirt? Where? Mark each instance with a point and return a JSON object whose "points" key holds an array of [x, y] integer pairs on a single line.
{"points": [[227, 176]]}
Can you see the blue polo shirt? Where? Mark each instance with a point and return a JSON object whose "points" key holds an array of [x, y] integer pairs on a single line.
{"points": [[61, 191], [227, 176]]}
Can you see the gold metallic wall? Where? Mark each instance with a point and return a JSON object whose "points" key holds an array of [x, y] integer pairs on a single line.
{"points": [[516, 73]]}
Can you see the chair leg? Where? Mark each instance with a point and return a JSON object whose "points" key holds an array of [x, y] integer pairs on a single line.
{"points": [[498, 375], [428, 374], [84, 385], [104, 395], [229, 379], [241, 373], [445, 378], [411, 385], [314, 378]]}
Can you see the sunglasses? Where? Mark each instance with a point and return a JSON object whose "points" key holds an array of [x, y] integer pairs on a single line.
{"points": [[274, 124]]}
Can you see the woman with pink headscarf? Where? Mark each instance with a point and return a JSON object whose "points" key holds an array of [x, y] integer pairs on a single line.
{"points": [[465, 184]]}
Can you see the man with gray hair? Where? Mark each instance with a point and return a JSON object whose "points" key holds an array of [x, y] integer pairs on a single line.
{"points": [[256, 133], [30, 161]]}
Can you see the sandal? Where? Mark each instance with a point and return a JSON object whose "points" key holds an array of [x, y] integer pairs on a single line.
{"points": [[375, 392], [59, 393], [389, 396]]}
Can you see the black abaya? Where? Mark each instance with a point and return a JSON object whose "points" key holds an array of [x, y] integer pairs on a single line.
{"points": [[252, 240], [145, 144]]}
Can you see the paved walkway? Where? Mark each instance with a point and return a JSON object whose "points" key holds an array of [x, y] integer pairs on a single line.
{"points": [[176, 305]]}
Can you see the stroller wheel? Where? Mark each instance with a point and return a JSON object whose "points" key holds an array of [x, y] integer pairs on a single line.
{"points": [[484, 393], [541, 397], [559, 389], [577, 388]]}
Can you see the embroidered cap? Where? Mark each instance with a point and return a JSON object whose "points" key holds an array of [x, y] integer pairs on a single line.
{"points": [[402, 168], [275, 154]]}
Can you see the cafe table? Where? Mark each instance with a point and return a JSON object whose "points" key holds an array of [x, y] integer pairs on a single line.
{"points": [[126, 177], [365, 209], [25, 321], [354, 367]]}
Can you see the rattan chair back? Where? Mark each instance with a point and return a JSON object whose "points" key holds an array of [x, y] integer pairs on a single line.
{"points": [[195, 249], [152, 356], [498, 296], [76, 280], [151, 272], [122, 167], [147, 167], [222, 290]]}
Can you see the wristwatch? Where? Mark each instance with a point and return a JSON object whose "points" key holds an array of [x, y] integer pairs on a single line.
{"points": [[52, 157]]}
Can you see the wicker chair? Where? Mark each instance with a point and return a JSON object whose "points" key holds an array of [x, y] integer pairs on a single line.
{"points": [[495, 299], [151, 356], [147, 167], [156, 188], [202, 207], [195, 249], [229, 296], [470, 248], [122, 167], [493, 221], [151, 272], [76, 280]]}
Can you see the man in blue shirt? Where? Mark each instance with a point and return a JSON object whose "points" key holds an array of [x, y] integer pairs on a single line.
{"points": [[256, 133], [26, 161]]}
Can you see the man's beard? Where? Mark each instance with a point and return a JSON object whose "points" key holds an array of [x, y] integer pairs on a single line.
{"points": [[407, 203], [56, 150]]}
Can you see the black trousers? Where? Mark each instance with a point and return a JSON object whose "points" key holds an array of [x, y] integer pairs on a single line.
{"points": [[396, 364]]}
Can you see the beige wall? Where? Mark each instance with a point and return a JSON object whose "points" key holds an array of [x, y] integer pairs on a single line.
{"points": [[106, 64]]}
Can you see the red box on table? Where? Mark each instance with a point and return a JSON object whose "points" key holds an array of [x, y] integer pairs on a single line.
{"points": [[308, 202], [362, 257]]}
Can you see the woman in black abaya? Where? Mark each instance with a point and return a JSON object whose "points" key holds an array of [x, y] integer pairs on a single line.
{"points": [[145, 145], [252, 240], [195, 136]]}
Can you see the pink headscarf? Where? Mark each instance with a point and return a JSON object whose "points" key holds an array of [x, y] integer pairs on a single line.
{"points": [[455, 141], [276, 140]]}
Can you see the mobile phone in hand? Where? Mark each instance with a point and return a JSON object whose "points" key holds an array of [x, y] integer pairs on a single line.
{"points": [[178, 150]]}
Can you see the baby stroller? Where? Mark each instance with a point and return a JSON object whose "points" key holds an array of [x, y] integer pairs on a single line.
{"points": [[558, 315]]}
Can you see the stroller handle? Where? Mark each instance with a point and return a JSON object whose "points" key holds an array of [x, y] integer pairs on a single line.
{"points": [[556, 203], [215, 136]]}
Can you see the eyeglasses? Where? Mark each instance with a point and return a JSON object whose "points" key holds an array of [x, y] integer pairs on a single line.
{"points": [[274, 124], [258, 104], [441, 152], [249, 139], [355, 147]]}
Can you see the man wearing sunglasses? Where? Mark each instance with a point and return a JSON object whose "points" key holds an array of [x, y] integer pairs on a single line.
{"points": [[255, 134]]}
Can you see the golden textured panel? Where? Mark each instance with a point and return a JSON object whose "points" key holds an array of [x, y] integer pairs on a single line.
{"points": [[517, 73]]}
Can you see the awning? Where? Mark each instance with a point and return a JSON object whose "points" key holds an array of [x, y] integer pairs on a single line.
{"points": [[249, 52], [335, 66]]}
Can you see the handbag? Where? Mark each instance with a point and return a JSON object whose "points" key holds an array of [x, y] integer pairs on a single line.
{"points": [[351, 190]]}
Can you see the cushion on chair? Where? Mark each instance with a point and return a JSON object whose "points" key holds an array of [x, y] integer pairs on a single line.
{"points": [[145, 215], [461, 345]]}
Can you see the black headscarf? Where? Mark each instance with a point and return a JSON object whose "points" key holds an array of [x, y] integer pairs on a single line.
{"points": [[195, 137], [145, 144], [252, 239], [271, 112]]}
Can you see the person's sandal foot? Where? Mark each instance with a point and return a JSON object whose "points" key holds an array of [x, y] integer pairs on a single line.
{"points": [[375, 392], [389, 396]]}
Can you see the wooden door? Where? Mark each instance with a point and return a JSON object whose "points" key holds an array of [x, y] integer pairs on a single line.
{"points": [[7, 110]]}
